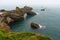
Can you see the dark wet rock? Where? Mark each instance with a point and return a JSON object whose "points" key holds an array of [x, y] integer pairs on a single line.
{"points": [[31, 13], [35, 25], [42, 9], [2, 10]]}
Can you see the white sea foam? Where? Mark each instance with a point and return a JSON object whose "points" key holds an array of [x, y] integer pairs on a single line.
{"points": [[42, 27], [35, 12], [25, 15]]}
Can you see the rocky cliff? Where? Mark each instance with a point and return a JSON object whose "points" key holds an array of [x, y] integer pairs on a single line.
{"points": [[7, 17]]}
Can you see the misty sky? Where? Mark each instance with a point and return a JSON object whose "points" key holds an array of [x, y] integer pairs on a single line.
{"points": [[29, 3]]}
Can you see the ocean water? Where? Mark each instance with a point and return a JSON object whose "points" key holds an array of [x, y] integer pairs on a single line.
{"points": [[50, 18]]}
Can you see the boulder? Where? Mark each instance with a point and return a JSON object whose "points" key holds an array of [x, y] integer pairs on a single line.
{"points": [[34, 25]]}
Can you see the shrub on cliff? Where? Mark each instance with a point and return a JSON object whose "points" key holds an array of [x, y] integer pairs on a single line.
{"points": [[22, 36]]}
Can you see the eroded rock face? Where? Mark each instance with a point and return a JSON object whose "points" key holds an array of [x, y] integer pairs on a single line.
{"points": [[4, 26], [34, 25], [8, 20]]}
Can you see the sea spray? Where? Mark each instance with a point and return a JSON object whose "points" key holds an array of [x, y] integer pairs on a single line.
{"points": [[35, 12], [25, 15], [42, 27]]}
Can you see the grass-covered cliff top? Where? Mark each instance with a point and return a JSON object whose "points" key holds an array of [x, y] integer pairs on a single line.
{"points": [[22, 36]]}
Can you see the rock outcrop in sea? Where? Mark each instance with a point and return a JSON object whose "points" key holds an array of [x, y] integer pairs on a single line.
{"points": [[35, 25], [43, 9], [6, 17]]}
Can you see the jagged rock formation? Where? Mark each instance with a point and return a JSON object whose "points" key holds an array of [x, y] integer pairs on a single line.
{"points": [[13, 15]]}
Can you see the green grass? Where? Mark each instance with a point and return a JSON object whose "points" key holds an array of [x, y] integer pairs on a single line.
{"points": [[22, 36]]}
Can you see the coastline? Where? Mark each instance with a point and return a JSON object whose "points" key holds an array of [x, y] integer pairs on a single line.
{"points": [[15, 15]]}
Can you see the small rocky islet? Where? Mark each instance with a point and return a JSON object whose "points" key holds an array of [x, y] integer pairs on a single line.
{"points": [[7, 17]]}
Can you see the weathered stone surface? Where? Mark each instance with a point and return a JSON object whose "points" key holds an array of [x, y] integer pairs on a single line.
{"points": [[4, 26], [8, 19], [34, 25]]}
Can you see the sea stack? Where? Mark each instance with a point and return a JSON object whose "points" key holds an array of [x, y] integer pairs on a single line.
{"points": [[35, 25]]}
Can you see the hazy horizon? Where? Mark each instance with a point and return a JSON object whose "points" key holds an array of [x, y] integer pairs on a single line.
{"points": [[32, 3]]}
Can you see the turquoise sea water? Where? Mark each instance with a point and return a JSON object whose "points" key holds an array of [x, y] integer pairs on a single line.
{"points": [[49, 18]]}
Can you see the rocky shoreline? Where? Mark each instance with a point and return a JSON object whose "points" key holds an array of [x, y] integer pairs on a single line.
{"points": [[6, 17]]}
